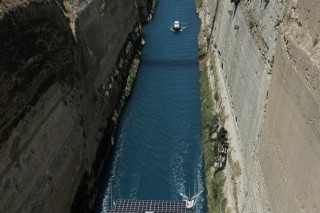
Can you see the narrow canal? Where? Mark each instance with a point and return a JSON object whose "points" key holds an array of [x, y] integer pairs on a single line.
{"points": [[158, 153]]}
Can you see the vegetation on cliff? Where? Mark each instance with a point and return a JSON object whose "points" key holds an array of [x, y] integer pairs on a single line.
{"points": [[213, 138]]}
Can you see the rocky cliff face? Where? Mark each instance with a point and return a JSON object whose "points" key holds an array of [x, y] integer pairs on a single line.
{"points": [[267, 57], [291, 131], [64, 67]]}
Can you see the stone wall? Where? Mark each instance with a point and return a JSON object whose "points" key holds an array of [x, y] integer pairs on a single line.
{"points": [[244, 62], [63, 70], [291, 132], [267, 57]]}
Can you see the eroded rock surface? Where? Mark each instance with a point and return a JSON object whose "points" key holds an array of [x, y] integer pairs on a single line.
{"points": [[63, 70], [267, 56], [291, 132]]}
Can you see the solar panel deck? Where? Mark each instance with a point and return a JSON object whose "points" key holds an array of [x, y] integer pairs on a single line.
{"points": [[149, 206]]}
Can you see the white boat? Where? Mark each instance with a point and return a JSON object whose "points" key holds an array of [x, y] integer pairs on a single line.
{"points": [[176, 26], [189, 204]]}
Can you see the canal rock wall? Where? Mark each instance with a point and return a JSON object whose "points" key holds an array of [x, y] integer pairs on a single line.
{"points": [[64, 67], [267, 62], [291, 132]]}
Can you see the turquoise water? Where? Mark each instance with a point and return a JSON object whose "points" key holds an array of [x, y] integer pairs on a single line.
{"points": [[158, 152]]}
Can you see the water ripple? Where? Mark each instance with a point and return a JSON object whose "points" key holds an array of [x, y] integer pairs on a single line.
{"points": [[158, 152]]}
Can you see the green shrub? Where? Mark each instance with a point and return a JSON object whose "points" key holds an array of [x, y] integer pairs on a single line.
{"points": [[210, 125], [278, 23], [251, 24]]}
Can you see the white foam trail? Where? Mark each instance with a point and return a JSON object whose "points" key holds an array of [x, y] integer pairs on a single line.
{"points": [[177, 168], [183, 28], [195, 196], [178, 174], [184, 196], [198, 185], [179, 30]]}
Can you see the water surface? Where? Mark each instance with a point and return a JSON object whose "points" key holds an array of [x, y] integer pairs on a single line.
{"points": [[158, 152]]}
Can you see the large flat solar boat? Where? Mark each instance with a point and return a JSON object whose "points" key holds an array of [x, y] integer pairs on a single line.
{"points": [[149, 206]]}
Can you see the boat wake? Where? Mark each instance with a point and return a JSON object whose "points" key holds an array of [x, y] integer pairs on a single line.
{"points": [[199, 184], [191, 202], [182, 28], [176, 165]]}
